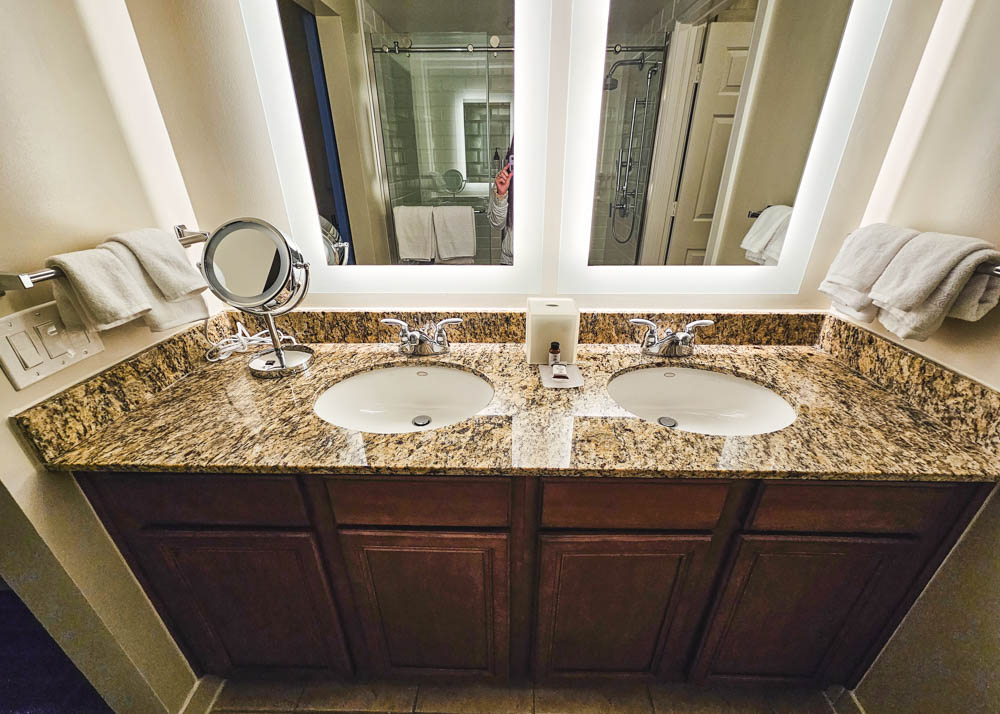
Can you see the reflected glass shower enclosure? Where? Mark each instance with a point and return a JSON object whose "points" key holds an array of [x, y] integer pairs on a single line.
{"points": [[633, 81], [444, 110]]}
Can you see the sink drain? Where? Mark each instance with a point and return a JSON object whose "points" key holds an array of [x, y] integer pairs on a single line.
{"points": [[422, 420], [667, 421]]}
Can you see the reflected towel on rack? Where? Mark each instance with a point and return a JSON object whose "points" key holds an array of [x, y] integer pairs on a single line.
{"points": [[933, 277], [163, 314], [771, 225], [414, 232], [861, 261], [165, 262], [455, 232], [97, 291]]}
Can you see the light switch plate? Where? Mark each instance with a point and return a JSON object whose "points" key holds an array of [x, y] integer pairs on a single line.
{"points": [[30, 336]]}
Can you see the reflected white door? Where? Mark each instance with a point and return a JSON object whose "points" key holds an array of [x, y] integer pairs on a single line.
{"points": [[727, 46]]}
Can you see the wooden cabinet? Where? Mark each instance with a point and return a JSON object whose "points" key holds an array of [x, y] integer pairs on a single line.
{"points": [[802, 608], [432, 603], [616, 604], [245, 601], [766, 581]]}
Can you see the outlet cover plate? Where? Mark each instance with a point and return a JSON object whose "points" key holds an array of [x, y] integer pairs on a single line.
{"points": [[34, 344]]}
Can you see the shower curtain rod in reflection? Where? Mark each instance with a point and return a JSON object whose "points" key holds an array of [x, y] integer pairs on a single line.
{"points": [[397, 49]]}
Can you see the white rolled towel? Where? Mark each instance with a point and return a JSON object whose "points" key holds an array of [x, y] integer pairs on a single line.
{"points": [[933, 277], [862, 259]]}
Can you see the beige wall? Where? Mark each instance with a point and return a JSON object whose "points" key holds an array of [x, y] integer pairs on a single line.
{"points": [[944, 656], [81, 159]]}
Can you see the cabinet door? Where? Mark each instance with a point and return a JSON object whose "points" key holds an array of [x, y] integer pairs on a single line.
{"points": [[434, 603], [245, 601], [802, 608], [617, 604]]}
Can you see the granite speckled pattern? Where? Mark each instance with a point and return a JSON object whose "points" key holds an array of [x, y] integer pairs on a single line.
{"points": [[732, 328], [220, 419], [77, 413], [966, 406]]}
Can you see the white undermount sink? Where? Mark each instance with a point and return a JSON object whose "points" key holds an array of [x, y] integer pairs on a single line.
{"points": [[701, 401], [394, 400]]}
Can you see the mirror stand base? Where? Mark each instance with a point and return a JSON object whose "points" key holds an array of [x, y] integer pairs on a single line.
{"points": [[271, 364]]}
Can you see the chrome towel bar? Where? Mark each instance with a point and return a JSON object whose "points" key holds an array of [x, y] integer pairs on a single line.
{"points": [[23, 281]]}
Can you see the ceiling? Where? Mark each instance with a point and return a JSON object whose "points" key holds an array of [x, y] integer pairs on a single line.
{"points": [[491, 16], [629, 16]]}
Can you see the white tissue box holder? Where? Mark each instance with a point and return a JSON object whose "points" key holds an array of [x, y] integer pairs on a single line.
{"points": [[551, 320]]}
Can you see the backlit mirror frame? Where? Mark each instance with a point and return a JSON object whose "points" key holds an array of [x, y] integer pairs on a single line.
{"points": [[589, 23]]}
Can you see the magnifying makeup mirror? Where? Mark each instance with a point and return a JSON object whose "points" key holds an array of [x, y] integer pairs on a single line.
{"points": [[251, 265]]}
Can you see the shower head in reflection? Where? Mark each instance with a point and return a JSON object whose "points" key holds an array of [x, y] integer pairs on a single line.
{"points": [[611, 82]]}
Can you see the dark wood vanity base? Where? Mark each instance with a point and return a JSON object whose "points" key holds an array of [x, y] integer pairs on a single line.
{"points": [[782, 581]]}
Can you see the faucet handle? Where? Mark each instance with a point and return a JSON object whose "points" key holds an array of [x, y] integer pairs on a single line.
{"points": [[439, 332], [692, 326], [651, 334], [404, 327]]}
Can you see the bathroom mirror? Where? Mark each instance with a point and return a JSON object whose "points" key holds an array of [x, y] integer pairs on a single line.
{"points": [[707, 116], [251, 265], [406, 111]]}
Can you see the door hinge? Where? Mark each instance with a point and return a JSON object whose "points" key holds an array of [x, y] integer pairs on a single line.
{"points": [[672, 211], [697, 72]]}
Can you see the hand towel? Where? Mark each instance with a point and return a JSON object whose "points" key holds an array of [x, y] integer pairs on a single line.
{"points": [[861, 261], [771, 222], [931, 279], [97, 290], [163, 315], [455, 232], [414, 232], [163, 258], [772, 251]]}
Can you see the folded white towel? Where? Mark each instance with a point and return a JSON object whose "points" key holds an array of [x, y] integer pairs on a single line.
{"points": [[98, 292], [862, 259], [455, 232], [414, 232], [931, 279], [768, 226], [163, 315], [163, 258]]}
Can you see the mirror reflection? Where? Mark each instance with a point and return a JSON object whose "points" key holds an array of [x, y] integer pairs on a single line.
{"points": [[407, 115], [246, 262], [707, 117]]}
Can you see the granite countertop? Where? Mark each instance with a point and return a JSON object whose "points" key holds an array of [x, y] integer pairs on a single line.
{"points": [[221, 419]]}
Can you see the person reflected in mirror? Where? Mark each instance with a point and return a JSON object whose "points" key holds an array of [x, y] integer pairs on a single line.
{"points": [[501, 206]]}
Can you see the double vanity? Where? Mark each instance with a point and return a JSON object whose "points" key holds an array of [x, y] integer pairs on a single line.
{"points": [[777, 533]]}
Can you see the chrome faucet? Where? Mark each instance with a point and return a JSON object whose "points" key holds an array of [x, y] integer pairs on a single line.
{"points": [[431, 339], [671, 344]]}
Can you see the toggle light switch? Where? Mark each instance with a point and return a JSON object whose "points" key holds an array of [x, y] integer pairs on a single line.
{"points": [[25, 350]]}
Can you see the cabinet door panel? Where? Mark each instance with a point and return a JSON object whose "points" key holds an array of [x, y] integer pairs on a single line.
{"points": [[802, 608], [615, 604], [432, 603], [246, 601]]}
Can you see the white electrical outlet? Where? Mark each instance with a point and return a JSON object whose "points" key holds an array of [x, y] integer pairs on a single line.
{"points": [[34, 343]]}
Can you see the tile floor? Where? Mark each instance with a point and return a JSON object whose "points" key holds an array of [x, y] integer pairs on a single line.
{"points": [[384, 697]]}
